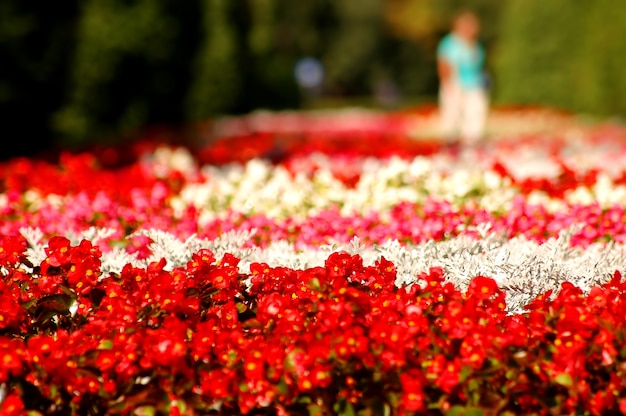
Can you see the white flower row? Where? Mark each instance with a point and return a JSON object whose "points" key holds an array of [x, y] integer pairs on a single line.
{"points": [[259, 187], [523, 268]]}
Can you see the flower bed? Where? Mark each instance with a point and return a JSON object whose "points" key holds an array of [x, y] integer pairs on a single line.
{"points": [[347, 272]]}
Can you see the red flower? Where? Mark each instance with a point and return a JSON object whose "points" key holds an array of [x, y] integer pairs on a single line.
{"points": [[134, 279], [252, 394], [298, 364], [218, 383], [319, 376], [106, 360], [254, 365], [203, 339], [568, 346], [473, 351], [11, 311], [226, 314], [116, 311], [597, 297], [569, 294], [11, 358], [271, 306], [83, 276], [39, 348], [12, 405], [260, 273], [434, 278], [12, 250], [83, 383], [201, 261], [455, 321], [482, 287], [54, 355], [385, 276], [58, 252], [225, 276], [413, 395], [342, 264], [166, 346], [351, 343], [127, 355], [50, 284], [450, 377]]}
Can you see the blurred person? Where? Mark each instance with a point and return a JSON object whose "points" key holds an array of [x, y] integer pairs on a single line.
{"points": [[463, 86], [309, 73]]}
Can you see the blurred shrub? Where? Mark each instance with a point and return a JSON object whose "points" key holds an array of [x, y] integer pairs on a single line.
{"points": [[36, 48], [80, 70], [563, 53], [119, 67]]}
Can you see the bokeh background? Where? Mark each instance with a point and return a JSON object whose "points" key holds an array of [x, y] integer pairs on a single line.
{"points": [[77, 71]]}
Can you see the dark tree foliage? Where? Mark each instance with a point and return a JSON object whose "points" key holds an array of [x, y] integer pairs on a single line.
{"points": [[568, 54], [36, 50], [73, 72]]}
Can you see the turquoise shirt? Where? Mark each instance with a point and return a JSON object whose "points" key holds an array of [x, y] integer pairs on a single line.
{"points": [[466, 60]]}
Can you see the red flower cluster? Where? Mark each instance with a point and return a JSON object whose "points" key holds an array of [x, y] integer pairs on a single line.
{"points": [[78, 267], [335, 339]]}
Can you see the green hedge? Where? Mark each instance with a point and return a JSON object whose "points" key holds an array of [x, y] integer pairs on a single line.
{"points": [[81, 70], [563, 53]]}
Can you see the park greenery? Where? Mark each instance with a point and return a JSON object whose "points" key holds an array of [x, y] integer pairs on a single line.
{"points": [[76, 71]]}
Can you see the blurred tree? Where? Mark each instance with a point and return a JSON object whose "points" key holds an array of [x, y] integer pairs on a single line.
{"points": [[599, 74], [425, 21], [534, 65], [80, 70], [301, 29], [353, 51], [266, 59], [216, 75], [36, 46], [118, 67], [565, 54]]}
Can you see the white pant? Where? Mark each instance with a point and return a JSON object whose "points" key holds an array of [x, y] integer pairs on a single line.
{"points": [[463, 113]]}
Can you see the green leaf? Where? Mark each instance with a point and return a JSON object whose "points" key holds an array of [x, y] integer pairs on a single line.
{"points": [[314, 284], [344, 408], [145, 411], [474, 411], [348, 410], [466, 371], [232, 356], [564, 380], [473, 385], [60, 303], [282, 387], [68, 291], [456, 411], [394, 399], [241, 307], [29, 303], [252, 323], [290, 364], [465, 411], [314, 410], [106, 344]]}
